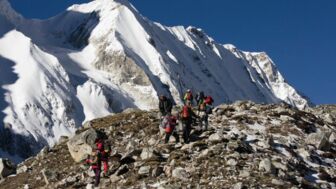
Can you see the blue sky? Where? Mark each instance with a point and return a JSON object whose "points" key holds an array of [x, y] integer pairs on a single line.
{"points": [[300, 35]]}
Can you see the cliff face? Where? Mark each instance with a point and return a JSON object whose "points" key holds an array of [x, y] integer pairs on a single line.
{"points": [[247, 145]]}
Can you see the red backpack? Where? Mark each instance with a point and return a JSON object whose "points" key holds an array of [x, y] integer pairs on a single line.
{"points": [[189, 95], [170, 125], [100, 145], [209, 100], [185, 112]]}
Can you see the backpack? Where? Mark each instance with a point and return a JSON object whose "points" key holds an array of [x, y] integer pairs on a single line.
{"points": [[209, 100], [100, 145], [185, 112], [188, 96], [170, 125]]}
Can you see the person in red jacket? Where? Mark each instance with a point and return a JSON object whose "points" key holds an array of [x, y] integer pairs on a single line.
{"points": [[187, 116], [169, 124], [101, 146]]}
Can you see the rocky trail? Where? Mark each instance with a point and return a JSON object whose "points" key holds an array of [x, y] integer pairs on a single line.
{"points": [[247, 146]]}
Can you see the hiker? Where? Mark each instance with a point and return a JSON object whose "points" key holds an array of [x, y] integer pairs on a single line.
{"points": [[188, 97], [165, 105], [200, 98], [186, 117], [94, 161], [204, 111], [104, 149], [169, 125]]}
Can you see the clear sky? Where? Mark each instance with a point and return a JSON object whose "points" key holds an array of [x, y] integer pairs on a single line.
{"points": [[299, 35]]}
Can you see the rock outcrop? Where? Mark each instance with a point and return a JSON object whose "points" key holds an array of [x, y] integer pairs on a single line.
{"points": [[6, 168], [320, 140], [80, 146]]}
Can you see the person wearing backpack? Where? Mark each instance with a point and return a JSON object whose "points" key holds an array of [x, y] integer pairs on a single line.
{"points": [[104, 149], [187, 115], [169, 125], [200, 98], [94, 160], [204, 111], [188, 97], [165, 105]]}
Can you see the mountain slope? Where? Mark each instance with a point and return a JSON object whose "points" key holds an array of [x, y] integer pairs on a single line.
{"points": [[247, 145], [103, 57]]}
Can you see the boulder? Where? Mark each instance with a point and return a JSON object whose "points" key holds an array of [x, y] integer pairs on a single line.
{"points": [[114, 178], [71, 180], [87, 124], [22, 169], [266, 166], [238, 185], [148, 153], [89, 186], [216, 137], [6, 168], [122, 170], [131, 145], [280, 166], [278, 182], [180, 173], [157, 171], [231, 162], [204, 153], [144, 170], [244, 173], [332, 138], [152, 142], [263, 144], [167, 170], [320, 140], [80, 146], [63, 139], [329, 118]]}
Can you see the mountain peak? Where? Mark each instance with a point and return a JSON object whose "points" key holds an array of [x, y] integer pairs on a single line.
{"points": [[103, 57], [100, 5]]}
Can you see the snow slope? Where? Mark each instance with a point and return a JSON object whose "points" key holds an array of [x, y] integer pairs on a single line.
{"points": [[102, 57]]}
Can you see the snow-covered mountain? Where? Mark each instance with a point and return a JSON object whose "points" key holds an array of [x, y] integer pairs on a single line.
{"points": [[102, 57]]}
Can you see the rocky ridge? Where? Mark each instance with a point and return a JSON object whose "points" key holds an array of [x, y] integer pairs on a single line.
{"points": [[247, 146]]}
